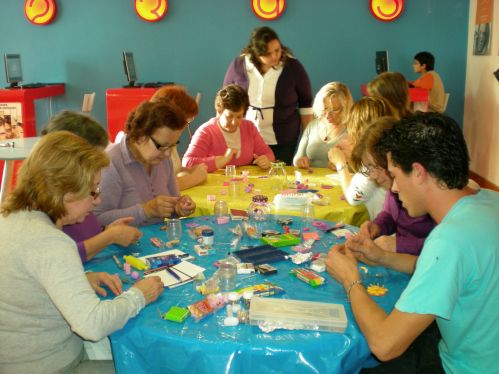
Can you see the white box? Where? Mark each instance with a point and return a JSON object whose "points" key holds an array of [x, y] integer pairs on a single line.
{"points": [[270, 314]]}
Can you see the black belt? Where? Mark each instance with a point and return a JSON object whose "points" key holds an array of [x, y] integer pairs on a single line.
{"points": [[260, 110]]}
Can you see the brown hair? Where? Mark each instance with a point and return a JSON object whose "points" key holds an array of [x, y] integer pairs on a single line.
{"points": [[363, 112], [150, 116], [231, 97], [177, 95], [393, 87], [257, 46], [60, 163], [368, 141]]}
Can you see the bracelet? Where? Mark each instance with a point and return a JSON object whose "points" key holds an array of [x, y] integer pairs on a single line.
{"points": [[349, 288]]}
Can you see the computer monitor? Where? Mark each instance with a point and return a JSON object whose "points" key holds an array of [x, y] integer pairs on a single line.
{"points": [[129, 64], [382, 64], [13, 70]]}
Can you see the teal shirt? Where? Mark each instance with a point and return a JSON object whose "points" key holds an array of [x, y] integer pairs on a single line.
{"points": [[457, 280]]}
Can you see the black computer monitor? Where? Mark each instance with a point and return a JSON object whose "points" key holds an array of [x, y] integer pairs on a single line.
{"points": [[382, 64], [129, 64], [13, 69]]}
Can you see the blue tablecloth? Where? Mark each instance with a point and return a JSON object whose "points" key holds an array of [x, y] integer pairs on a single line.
{"points": [[149, 344]]}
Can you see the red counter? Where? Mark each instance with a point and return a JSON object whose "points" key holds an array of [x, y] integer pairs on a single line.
{"points": [[119, 102]]}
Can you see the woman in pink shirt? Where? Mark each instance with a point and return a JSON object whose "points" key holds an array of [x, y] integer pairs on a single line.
{"points": [[228, 138]]}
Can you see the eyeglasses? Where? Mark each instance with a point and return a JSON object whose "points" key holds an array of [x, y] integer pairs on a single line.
{"points": [[331, 111], [95, 194], [366, 171], [163, 148]]}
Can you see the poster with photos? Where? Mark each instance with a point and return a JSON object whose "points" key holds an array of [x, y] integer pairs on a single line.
{"points": [[483, 28], [11, 121]]}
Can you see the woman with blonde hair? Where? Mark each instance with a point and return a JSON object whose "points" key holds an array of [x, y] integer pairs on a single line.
{"points": [[47, 302], [357, 188], [331, 105], [394, 88]]}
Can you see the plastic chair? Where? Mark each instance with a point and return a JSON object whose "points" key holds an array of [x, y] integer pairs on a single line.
{"points": [[446, 101], [88, 102]]}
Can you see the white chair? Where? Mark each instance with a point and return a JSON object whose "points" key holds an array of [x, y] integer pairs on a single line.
{"points": [[88, 103], [446, 101]]}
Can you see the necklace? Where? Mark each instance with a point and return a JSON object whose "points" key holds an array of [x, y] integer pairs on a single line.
{"points": [[327, 137]]}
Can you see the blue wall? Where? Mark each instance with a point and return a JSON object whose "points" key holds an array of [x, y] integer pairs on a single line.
{"points": [[193, 44]]}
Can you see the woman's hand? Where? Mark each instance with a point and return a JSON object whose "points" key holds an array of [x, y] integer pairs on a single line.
{"points": [[151, 288], [303, 162], [98, 279], [185, 206], [161, 206], [262, 161]]}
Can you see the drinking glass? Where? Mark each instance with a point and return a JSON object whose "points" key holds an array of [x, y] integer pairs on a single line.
{"points": [[230, 171], [221, 208], [227, 274], [308, 214], [173, 229]]}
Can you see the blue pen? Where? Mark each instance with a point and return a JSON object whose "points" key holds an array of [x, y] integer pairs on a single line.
{"points": [[175, 275]]}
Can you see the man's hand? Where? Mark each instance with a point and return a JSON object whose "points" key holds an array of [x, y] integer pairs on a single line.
{"points": [[151, 288], [387, 243], [364, 249], [342, 265], [98, 279], [303, 162], [161, 206]]}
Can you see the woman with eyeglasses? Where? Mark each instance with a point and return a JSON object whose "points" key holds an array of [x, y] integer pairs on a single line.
{"points": [[331, 104], [228, 138], [140, 182], [279, 91], [357, 188], [410, 232], [48, 304], [192, 176], [90, 236]]}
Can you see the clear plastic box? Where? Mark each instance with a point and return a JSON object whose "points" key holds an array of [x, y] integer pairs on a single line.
{"points": [[270, 314]]}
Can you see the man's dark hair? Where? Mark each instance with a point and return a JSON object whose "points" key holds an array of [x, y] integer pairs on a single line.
{"points": [[426, 58], [433, 140]]}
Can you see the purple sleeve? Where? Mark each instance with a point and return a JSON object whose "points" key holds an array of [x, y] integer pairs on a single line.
{"points": [[236, 73], [303, 87], [80, 232], [409, 245], [385, 219], [82, 251]]}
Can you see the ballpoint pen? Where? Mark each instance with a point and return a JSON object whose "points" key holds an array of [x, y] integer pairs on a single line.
{"points": [[174, 274]]}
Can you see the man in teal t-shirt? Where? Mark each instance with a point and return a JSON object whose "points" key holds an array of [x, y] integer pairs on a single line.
{"points": [[455, 281]]}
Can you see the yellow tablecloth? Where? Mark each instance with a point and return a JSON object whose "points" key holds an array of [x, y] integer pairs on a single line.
{"points": [[237, 198]]}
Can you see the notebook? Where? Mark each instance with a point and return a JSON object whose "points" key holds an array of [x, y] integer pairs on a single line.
{"points": [[185, 270]]}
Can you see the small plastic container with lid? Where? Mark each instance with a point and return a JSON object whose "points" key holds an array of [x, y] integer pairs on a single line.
{"points": [[208, 237]]}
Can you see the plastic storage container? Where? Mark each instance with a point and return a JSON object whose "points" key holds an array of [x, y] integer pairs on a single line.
{"points": [[270, 314]]}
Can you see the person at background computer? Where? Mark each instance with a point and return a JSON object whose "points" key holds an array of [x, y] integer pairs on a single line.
{"points": [[279, 91], [228, 138], [392, 87], [89, 235], [410, 232], [331, 105], [424, 64], [358, 188], [186, 177], [140, 182], [48, 304]]}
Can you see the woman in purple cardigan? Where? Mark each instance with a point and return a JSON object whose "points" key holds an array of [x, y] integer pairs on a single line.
{"points": [[228, 138], [279, 91], [410, 232]]}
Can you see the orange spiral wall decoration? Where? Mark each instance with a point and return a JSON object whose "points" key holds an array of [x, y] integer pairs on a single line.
{"points": [[386, 10], [268, 9], [151, 10], [40, 12]]}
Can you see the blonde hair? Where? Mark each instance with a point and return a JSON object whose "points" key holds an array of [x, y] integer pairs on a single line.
{"points": [[393, 87], [60, 163], [363, 112], [328, 91]]}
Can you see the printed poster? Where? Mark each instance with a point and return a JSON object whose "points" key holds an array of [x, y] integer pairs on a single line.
{"points": [[483, 28], [11, 121]]}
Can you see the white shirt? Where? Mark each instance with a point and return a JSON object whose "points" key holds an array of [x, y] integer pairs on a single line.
{"points": [[261, 92]]}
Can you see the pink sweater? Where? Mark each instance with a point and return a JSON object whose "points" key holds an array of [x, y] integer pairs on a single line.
{"points": [[208, 142]]}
